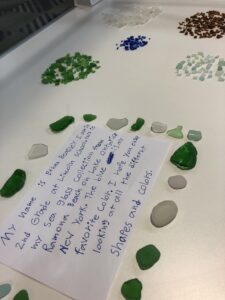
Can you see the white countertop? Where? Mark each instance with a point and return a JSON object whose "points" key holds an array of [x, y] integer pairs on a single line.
{"points": [[135, 84]]}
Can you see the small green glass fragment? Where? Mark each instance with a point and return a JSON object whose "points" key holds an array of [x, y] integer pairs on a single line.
{"points": [[89, 117], [14, 184], [138, 124], [194, 135], [176, 132], [180, 65], [147, 256], [185, 157], [131, 289], [61, 124], [22, 295]]}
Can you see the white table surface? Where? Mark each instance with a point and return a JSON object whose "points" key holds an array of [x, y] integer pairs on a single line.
{"points": [[128, 84]]}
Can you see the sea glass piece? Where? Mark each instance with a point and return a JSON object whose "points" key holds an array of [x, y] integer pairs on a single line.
{"points": [[116, 124], [37, 151], [138, 124], [185, 157], [177, 182], [61, 124], [22, 295], [5, 289], [110, 158], [14, 184], [131, 289], [180, 65], [147, 256], [163, 213], [158, 127], [89, 117], [176, 132], [194, 135]]}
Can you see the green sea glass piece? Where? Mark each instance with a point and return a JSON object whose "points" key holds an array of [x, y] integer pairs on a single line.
{"points": [[138, 124], [131, 289], [194, 135], [22, 295], [185, 157], [61, 124], [147, 256], [5, 289], [89, 117], [14, 184], [176, 132], [180, 65]]}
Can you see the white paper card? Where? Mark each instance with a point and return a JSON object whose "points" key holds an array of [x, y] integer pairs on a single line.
{"points": [[71, 229]]}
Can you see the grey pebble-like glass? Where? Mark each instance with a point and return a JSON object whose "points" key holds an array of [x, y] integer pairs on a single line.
{"points": [[116, 124], [37, 151], [177, 182], [163, 213]]}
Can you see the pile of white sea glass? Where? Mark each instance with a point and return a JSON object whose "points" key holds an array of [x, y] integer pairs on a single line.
{"points": [[129, 14]]}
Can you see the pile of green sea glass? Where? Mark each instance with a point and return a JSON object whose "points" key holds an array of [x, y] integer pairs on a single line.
{"points": [[69, 68]]}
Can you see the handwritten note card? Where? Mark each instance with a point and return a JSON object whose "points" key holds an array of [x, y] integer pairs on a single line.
{"points": [[71, 230]]}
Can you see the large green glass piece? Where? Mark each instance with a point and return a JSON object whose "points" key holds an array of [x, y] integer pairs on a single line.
{"points": [[22, 295], [131, 289], [147, 256], [176, 132], [138, 124], [185, 157], [14, 184], [61, 124]]}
